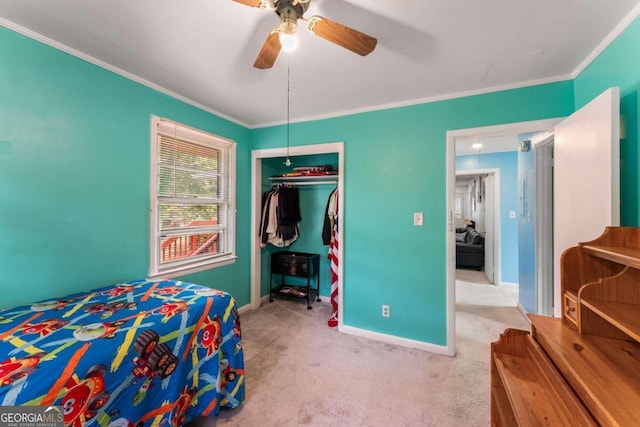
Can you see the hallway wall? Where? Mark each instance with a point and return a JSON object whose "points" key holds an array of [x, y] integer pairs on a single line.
{"points": [[507, 162]]}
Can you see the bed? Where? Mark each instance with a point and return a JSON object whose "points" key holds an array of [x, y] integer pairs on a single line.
{"points": [[140, 353]]}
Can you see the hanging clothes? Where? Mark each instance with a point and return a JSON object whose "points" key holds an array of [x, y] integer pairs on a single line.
{"points": [[327, 226], [280, 216], [333, 255]]}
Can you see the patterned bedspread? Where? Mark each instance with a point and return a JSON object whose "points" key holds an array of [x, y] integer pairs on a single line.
{"points": [[140, 353]]}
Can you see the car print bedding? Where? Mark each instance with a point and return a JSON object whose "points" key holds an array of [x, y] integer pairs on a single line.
{"points": [[141, 353]]}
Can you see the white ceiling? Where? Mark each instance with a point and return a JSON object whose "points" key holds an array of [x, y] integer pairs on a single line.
{"points": [[202, 51], [490, 144]]}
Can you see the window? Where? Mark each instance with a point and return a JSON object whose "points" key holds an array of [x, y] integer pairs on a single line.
{"points": [[192, 200]]}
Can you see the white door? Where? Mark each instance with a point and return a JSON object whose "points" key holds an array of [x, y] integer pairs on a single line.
{"points": [[489, 224], [543, 155], [586, 176]]}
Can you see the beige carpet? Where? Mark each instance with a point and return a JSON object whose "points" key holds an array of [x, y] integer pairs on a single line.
{"points": [[300, 372], [472, 276]]}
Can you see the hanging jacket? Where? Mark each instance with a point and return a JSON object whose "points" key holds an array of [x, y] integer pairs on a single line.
{"points": [[328, 226], [280, 216]]}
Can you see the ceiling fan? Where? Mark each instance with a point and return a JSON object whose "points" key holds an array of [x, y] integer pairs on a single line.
{"points": [[283, 36]]}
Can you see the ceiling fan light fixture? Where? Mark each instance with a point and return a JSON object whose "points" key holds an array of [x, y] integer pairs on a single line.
{"points": [[288, 41], [287, 35], [283, 37]]}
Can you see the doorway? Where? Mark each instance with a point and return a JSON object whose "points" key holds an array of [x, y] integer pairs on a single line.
{"points": [[478, 190], [257, 157], [452, 137]]}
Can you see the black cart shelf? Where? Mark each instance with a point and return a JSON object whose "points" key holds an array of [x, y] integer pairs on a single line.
{"points": [[295, 264]]}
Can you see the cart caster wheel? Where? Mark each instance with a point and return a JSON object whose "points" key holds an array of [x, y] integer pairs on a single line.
{"points": [[308, 307], [318, 300], [270, 299]]}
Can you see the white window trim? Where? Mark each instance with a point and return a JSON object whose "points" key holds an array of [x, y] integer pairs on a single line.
{"points": [[155, 270]]}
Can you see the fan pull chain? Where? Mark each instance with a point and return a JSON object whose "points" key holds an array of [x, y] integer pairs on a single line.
{"points": [[288, 161]]}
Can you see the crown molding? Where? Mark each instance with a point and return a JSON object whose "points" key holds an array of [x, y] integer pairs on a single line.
{"points": [[130, 76], [635, 12], [419, 101], [631, 16]]}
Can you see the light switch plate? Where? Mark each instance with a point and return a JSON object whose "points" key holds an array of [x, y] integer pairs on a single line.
{"points": [[418, 218]]}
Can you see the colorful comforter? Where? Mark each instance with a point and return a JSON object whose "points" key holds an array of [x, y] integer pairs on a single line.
{"points": [[140, 353]]}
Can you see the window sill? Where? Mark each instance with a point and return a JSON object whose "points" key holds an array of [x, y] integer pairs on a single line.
{"points": [[190, 269]]}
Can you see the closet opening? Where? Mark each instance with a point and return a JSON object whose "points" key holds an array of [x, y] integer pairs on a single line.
{"points": [[267, 170]]}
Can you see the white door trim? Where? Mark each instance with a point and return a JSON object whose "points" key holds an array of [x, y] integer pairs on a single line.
{"points": [[511, 128], [542, 161], [256, 203]]}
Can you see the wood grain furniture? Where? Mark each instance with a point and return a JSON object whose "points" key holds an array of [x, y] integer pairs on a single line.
{"points": [[582, 369]]}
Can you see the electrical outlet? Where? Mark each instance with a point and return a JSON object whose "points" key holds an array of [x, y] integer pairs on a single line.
{"points": [[385, 311]]}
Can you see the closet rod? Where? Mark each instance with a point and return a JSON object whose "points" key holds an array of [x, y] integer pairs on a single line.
{"points": [[305, 183]]}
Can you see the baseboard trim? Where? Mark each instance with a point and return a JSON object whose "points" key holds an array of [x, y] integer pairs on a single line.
{"points": [[376, 336], [403, 342], [265, 299], [244, 309], [247, 307], [325, 299]]}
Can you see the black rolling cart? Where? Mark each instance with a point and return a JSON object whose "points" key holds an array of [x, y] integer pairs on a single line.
{"points": [[295, 264]]}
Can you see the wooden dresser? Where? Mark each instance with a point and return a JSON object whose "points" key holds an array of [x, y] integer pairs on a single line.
{"points": [[583, 369]]}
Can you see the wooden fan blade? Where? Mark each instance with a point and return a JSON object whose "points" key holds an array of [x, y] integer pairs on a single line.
{"points": [[269, 52], [357, 42], [252, 3]]}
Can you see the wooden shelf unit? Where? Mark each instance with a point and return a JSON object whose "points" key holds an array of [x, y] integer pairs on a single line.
{"points": [[617, 254], [590, 356], [608, 290], [526, 391]]}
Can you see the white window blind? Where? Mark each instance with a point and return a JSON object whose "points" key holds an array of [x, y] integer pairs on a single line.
{"points": [[192, 199]]}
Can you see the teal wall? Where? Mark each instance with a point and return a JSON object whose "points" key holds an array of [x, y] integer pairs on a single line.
{"points": [[74, 175], [74, 185], [507, 163], [395, 164], [619, 65]]}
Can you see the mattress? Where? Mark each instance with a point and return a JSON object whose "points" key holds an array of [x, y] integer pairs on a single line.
{"points": [[140, 353]]}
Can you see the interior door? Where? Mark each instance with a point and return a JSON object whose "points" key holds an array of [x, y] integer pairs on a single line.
{"points": [[586, 176], [489, 224], [544, 226]]}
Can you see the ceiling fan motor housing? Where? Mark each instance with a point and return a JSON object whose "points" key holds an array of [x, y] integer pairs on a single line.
{"points": [[290, 10]]}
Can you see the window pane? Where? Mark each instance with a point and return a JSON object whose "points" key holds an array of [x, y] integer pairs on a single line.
{"points": [[181, 216], [166, 181], [176, 248], [195, 156], [193, 202], [189, 184]]}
